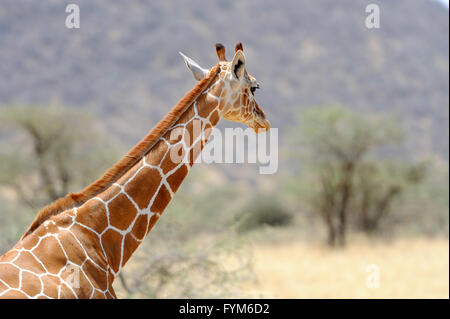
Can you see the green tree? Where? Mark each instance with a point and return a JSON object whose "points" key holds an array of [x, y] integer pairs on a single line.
{"points": [[45, 152], [49, 151], [339, 155]]}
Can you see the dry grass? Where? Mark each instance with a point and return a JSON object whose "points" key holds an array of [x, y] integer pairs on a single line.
{"points": [[288, 267], [408, 268]]}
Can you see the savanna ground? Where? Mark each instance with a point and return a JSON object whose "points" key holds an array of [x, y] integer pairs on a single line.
{"points": [[408, 268], [286, 266]]}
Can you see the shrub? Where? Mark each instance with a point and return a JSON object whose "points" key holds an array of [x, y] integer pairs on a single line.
{"points": [[262, 211]]}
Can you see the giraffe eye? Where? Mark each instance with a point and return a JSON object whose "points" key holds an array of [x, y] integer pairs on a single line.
{"points": [[253, 89]]}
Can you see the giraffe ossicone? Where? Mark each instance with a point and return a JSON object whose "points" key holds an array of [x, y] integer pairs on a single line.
{"points": [[77, 245]]}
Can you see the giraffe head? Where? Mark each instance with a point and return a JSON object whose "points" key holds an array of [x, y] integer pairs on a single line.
{"points": [[237, 92]]}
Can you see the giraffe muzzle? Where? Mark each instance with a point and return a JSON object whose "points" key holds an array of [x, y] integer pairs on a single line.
{"points": [[261, 125]]}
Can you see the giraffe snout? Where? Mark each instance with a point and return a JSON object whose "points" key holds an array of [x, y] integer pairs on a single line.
{"points": [[260, 120], [261, 125]]}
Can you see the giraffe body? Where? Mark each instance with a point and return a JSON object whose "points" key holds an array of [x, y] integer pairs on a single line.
{"points": [[78, 252]]}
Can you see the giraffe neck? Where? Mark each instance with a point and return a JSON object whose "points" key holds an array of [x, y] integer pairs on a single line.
{"points": [[124, 213]]}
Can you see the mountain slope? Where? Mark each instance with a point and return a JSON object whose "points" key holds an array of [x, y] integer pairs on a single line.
{"points": [[123, 62]]}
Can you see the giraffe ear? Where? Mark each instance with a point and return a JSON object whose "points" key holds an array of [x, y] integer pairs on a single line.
{"points": [[238, 65], [198, 72]]}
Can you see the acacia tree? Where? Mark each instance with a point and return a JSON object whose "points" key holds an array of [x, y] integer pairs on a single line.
{"points": [[45, 152], [48, 151], [336, 148]]}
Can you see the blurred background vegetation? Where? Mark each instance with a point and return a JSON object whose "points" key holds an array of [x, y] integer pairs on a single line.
{"points": [[363, 125]]}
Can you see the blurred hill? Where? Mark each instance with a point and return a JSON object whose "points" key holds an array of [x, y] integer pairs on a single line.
{"points": [[123, 62]]}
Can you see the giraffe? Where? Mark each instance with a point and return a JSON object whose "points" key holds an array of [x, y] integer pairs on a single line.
{"points": [[77, 245]]}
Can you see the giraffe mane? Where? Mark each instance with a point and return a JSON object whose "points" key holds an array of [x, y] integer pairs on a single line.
{"points": [[72, 200]]}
